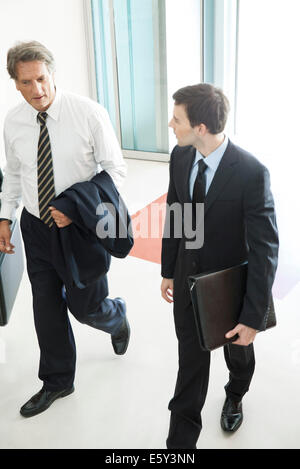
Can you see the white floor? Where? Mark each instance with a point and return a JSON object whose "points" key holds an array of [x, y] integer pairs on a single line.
{"points": [[121, 402]]}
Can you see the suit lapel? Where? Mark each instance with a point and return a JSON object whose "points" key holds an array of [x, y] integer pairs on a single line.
{"points": [[223, 174]]}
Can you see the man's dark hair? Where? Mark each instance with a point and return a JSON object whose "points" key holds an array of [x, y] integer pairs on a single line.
{"points": [[204, 104]]}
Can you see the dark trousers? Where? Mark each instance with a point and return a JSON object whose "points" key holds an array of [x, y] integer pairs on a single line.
{"points": [[51, 301], [193, 377]]}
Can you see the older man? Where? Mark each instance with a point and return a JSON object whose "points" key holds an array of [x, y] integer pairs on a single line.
{"points": [[53, 140]]}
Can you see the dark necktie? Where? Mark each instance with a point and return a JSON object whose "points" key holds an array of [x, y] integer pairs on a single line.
{"points": [[46, 190], [200, 183]]}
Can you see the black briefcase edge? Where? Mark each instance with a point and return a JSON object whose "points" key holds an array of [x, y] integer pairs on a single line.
{"points": [[5, 319], [191, 282], [270, 317], [213, 271]]}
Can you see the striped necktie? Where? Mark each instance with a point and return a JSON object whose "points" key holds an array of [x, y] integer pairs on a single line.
{"points": [[46, 190]]}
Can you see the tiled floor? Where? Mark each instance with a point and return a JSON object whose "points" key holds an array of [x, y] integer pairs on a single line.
{"points": [[121, 402]]}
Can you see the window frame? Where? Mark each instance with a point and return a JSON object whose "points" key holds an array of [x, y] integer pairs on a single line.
{"points": [[220, 40]]}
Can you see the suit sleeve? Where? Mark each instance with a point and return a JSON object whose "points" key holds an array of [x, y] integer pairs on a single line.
{"points": [[262, 239], [170, 243]]}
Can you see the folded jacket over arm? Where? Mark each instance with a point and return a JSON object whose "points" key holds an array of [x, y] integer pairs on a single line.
{"points": [[79, 249]]}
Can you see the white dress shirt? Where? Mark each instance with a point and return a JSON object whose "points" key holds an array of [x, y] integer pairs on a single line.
{"points": [[82, 140]]}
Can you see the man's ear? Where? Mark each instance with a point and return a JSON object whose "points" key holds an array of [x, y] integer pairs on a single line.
{"points": [[17, 84], [200, 130], [204, 129]]}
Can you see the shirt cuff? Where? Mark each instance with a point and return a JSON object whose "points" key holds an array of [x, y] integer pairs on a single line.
{"points": [[7, 212]]}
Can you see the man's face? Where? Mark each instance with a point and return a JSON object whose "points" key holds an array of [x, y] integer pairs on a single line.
{"points": [[185, 134], [36, 84]]}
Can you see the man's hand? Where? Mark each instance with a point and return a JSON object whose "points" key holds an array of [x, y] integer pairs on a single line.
{"points": [[5, 235], [60, 219], [167, 286], [246, 334]]}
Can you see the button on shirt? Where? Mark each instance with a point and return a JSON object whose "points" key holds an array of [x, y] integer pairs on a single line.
{"points": [[83, 143], [212, 161]]}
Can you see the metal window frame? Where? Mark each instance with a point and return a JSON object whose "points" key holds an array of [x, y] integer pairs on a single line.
{"points": [[88, 28], [220, 23], [236, 63]]}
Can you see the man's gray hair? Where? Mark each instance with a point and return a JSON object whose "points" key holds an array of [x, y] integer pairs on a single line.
{"points": [[28, 52]]}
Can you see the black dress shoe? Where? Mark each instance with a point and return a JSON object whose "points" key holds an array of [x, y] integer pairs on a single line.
{"points": [[120, 340], [232, 415], [42, 400]]}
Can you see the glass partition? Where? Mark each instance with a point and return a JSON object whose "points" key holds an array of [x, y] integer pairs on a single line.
{"points": [[131, 35]]}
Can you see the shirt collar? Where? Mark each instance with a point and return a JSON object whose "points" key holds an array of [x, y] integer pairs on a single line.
{"points": [[214, 158], [53, 111]]}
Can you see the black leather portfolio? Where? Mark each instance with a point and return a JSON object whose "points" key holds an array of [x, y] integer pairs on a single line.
{"points": [[217, 299], [11, 271]]}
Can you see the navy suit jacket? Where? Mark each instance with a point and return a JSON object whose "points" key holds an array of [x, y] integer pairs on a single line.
{"points": [[78, 251], [239, 226]]}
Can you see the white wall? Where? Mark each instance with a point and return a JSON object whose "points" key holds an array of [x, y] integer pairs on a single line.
{"points": [[59, 25]]}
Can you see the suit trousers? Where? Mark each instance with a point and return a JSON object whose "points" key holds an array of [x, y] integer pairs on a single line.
{"points": [[193, 378], [51, 301]]}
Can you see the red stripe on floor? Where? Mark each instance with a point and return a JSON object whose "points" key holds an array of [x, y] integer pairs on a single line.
{"points": [[147, 227]]}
